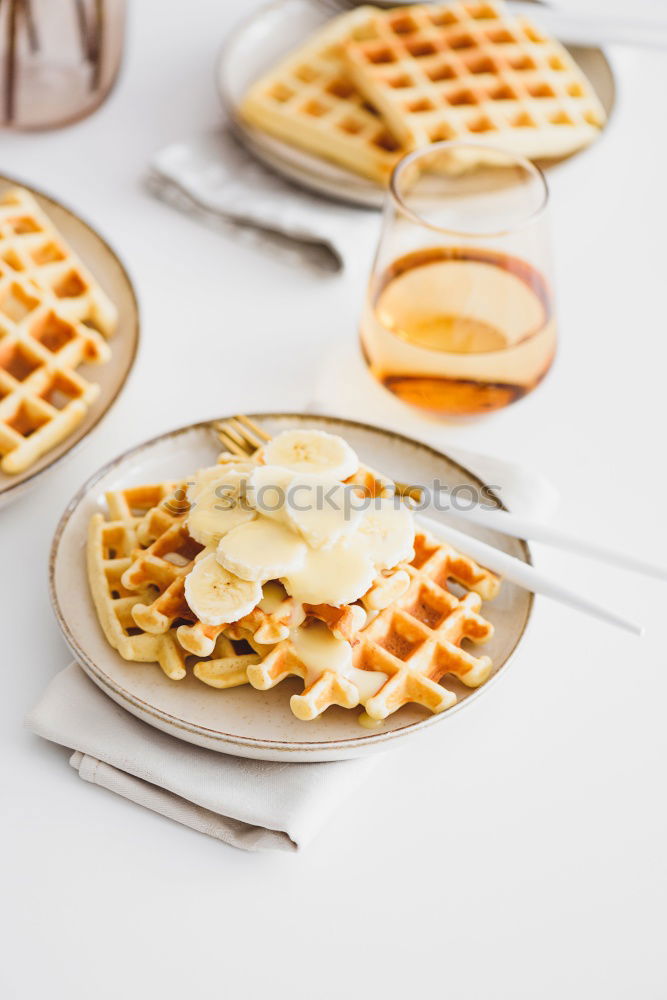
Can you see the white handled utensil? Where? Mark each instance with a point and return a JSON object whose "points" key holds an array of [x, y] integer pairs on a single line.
{"points": [[525, 575], [522, 527]]}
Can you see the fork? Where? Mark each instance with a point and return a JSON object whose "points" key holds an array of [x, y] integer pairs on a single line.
{"points": [[242, 437]]}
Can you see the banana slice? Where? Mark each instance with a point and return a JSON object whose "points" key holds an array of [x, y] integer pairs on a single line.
{"points": [[267, 490], [322, 510], [217, 496], [216, 596], [339, 575], [387, 531], [313, 452], [261, 550], [203, 478]]}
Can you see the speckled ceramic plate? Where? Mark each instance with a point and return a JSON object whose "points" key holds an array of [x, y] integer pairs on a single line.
{"points": [[243, 721], [98, 256], [269, 34]]}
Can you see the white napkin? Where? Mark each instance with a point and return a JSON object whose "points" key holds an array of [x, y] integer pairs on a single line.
{"points": [[256, 805], [213, 178], [253, 804]]}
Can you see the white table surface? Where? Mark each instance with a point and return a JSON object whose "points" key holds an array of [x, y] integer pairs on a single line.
{"points": [[517, 851]]}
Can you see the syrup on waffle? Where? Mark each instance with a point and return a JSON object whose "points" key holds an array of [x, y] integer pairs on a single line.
{"points": [[165, 554], [390, 648], [406, 648]]}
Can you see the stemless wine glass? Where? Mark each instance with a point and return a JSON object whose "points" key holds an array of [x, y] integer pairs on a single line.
{"points": [[459, 315]]}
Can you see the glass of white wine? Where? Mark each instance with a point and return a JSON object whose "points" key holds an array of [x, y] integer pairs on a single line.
{"points": [[459, 314]]}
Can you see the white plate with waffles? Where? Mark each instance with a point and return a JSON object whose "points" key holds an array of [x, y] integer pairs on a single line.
{"points": [[69, 333], [261, 43], [242, 720]]}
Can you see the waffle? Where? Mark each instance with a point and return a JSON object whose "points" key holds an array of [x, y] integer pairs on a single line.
{"points": [[409, 645], [165, 553], [310, 101], [49, 308], [31, 245], [111, 544], [42, 397], [404, 634], [471, 71]]}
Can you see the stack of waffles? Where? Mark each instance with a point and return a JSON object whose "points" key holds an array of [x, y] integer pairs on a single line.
{"points": [[54, 317], [374, 84], [402, 635]]}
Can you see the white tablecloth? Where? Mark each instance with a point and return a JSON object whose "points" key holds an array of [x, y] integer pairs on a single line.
{"points": [[518, 850]]}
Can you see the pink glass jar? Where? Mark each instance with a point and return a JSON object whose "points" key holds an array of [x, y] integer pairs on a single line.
{"points": [[58, 59]]}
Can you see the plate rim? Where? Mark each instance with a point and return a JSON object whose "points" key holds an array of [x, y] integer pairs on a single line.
{"points": [[367, 740], [21, 483], [373, 197]]}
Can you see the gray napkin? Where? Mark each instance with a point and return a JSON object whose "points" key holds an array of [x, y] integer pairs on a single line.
{"points": [[253, 804], [214, 179]]}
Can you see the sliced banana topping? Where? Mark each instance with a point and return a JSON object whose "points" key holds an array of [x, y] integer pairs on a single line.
{"points": [[291, 519], [339, 575], [217, 504], [203, 478], [387, 531], [217, 596], [322, 510], [312, 452], [267, 490], [261, 550]]}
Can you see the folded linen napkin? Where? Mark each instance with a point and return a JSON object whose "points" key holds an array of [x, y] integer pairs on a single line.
{"points": [[212, 177], [251, 804]]}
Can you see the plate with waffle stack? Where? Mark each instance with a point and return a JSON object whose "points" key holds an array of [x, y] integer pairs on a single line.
{"points": [[334, 102], [69, 330], [262, 586]]}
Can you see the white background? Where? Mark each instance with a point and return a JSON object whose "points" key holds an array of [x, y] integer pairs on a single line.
{"points": [[516, 851]]}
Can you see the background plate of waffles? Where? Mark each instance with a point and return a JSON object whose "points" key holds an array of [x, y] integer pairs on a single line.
{"points": [[242, 720], [69, 332], [542, 96]]}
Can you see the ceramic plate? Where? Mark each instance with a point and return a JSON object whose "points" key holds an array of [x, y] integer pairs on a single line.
{"points": [[266, 37], [243, 721], [111, 377]]}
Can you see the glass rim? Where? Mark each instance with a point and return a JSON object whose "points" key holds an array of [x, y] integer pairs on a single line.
{"points": [[531, 168]]}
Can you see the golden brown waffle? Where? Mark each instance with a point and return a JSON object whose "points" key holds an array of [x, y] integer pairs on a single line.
{"points": [[42, 396], [328, 689], [111, 544], [310, 101], [471, 71], [404, 634], [417, 640], [409, 646], [163, 557], [30, 245]]}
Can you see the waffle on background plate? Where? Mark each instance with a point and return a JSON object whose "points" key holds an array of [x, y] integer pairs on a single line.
{"points": [[406, 631], [374, 84], [54, 317]]}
